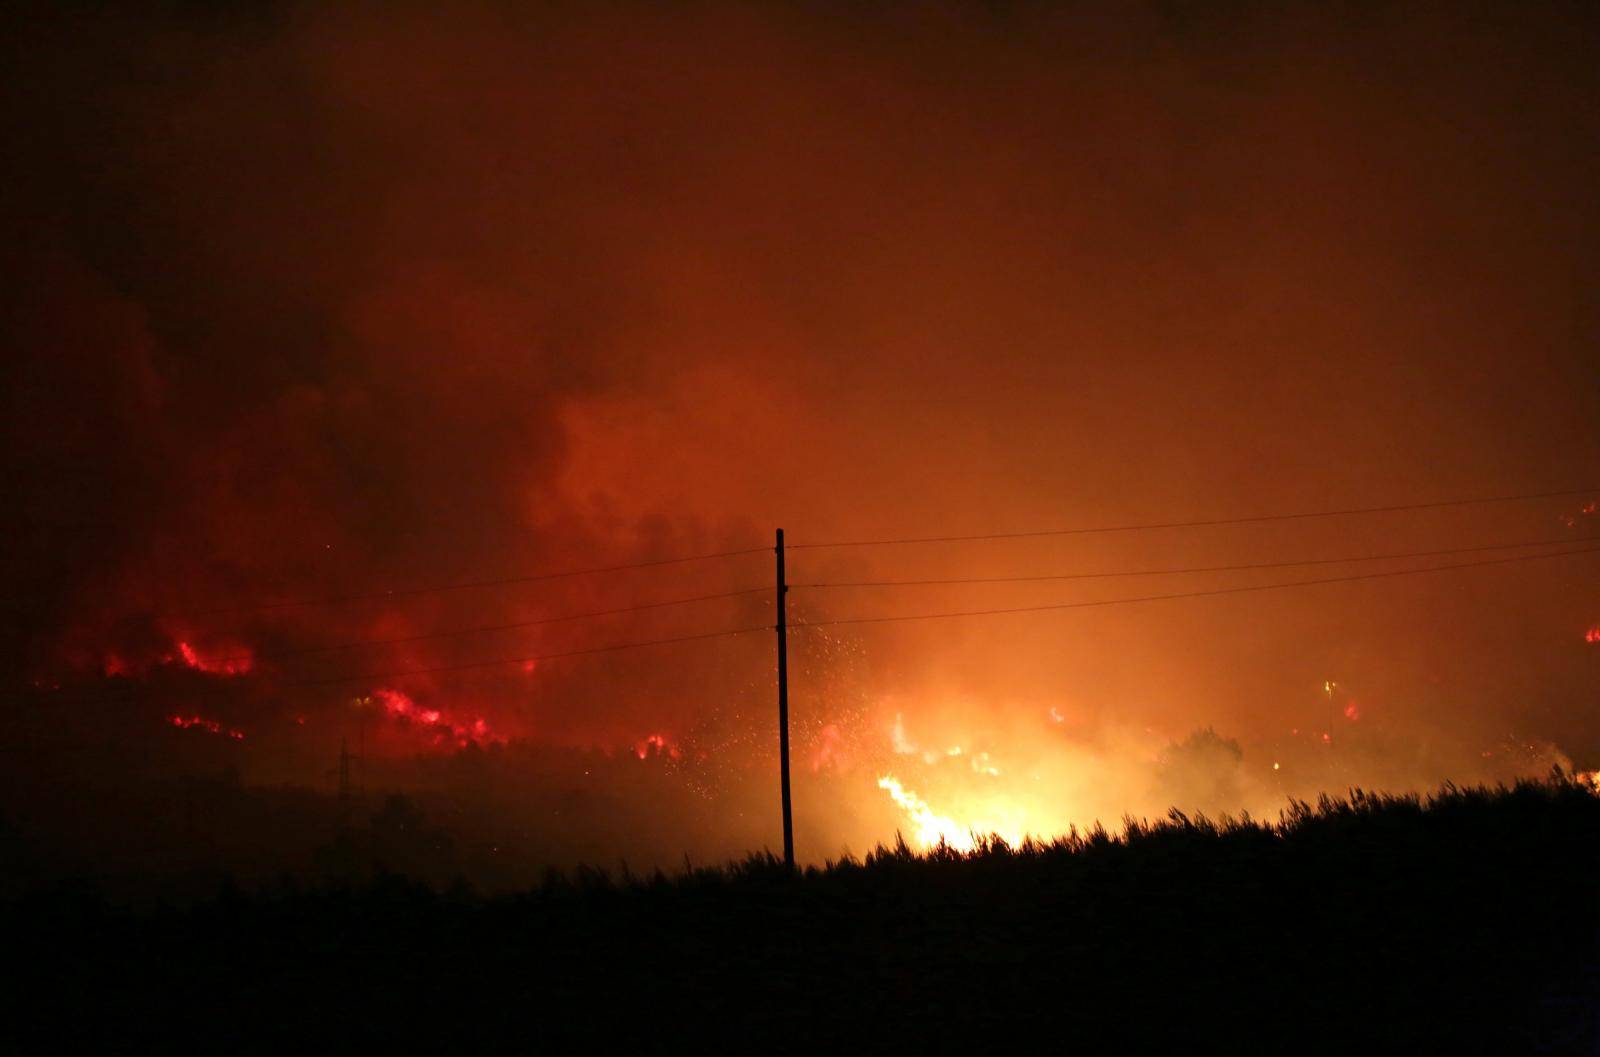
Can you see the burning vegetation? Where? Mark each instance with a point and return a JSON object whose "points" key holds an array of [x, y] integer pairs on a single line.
{"points": [[433, 722], [210, 725]]}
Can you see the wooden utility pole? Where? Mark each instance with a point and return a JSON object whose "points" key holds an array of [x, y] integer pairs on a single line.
{"points": [[783, 707]]}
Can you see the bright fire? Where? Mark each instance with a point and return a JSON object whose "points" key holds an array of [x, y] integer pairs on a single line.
{"points": [[994, 813], [928, 829]]}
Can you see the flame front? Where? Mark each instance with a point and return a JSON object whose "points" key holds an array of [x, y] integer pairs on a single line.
{"points": [[928, 829], [400, 706]]}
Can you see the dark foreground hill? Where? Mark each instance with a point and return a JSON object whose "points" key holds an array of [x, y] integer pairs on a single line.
{"points": [[1462, 923]]}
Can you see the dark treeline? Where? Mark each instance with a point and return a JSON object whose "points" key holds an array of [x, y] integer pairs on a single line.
{"points": [[1464, 922], [498, 817]]}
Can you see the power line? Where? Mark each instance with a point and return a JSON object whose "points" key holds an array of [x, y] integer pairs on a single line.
{"points": [[1253, 519], [463, 585], [487, 628], [506, 661], [1203, 568], [1195, 594], [639, 644]]}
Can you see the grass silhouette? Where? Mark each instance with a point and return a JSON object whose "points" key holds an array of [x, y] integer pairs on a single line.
{"points": [[1463, 921]]}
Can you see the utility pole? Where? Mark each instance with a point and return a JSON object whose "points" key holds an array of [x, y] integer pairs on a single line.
{"points": [[783, 707]]}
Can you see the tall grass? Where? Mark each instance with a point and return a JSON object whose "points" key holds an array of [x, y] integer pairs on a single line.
{"points": [[1464, 920]]}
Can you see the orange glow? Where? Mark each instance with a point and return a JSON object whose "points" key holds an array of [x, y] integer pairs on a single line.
{"points": [[828, 751], [1352, 711], [1588, 509], [981, 765]]}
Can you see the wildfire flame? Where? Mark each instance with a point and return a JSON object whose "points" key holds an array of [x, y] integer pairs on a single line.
{"points": [[201, 723], [229, 664], [401, 706], [238, 661], [928, 829]]}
